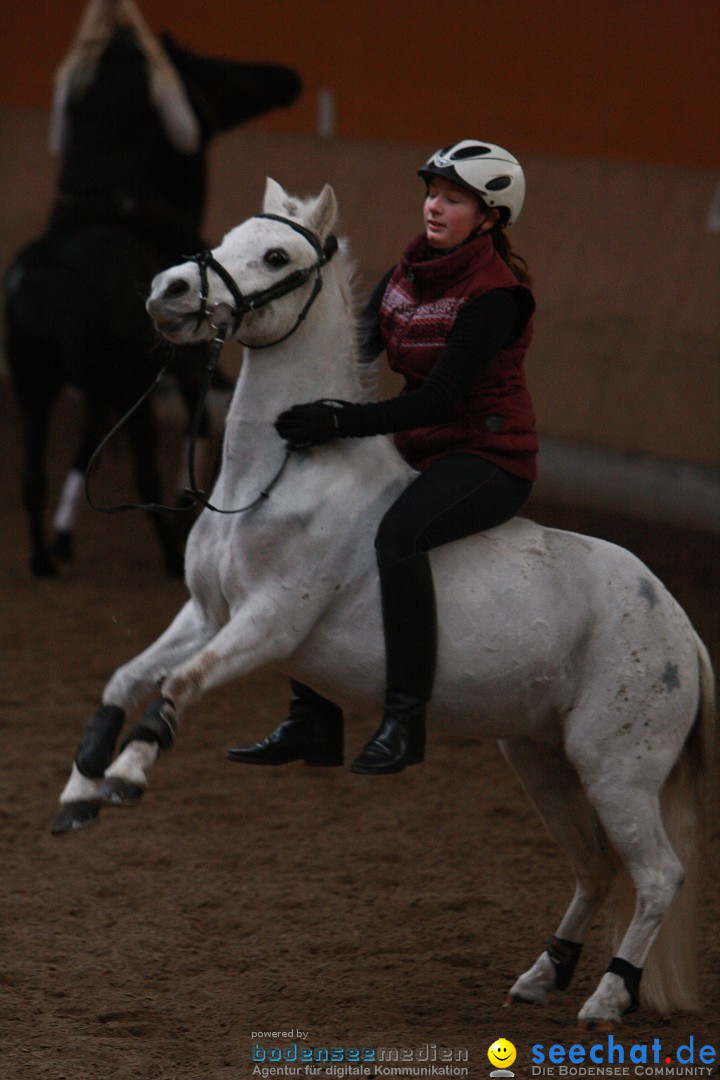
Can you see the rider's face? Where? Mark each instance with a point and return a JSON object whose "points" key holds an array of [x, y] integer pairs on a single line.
{"points": [[451, 213]]}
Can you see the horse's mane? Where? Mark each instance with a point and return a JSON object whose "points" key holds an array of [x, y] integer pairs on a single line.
{"points": [[367, 372], [297, 208]]}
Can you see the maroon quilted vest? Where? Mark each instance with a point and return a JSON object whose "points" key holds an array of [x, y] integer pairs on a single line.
{"points": [[421, 303]]}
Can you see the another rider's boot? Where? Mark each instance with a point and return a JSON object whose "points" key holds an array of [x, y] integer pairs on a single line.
{"points": [[312, 732], [409, 624]]}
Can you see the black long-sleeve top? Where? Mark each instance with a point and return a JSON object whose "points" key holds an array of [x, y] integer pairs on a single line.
{"points": [[484, 326]]}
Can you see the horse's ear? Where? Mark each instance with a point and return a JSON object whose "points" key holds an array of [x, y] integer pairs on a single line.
{"points": [[276, 199], [323, 214]]}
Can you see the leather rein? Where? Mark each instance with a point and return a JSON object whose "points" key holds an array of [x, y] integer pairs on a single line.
{"points": [[242, 304]]}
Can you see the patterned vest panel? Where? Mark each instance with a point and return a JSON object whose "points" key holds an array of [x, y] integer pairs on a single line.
{"points": [[419, 308]]}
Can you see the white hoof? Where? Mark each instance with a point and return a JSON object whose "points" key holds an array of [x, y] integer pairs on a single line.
{"points": [[114, 791], [536, 985], [79, 788], [604, 1010]]}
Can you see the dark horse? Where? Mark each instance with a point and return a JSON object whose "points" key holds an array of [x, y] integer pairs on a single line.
{"points": [[129, 203], [75, 317]]}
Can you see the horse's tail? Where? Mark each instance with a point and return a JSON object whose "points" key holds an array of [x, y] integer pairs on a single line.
{"points": [[671, 975]]}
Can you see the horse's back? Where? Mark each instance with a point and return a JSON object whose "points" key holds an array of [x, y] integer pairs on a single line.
{"points": [[88, 264], [74, 303], [559, 621]]}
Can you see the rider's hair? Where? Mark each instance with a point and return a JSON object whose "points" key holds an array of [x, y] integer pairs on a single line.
{"points": [[502, 245]]}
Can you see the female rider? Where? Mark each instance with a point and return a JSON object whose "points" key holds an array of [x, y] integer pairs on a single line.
{"points": [[455, 319]]}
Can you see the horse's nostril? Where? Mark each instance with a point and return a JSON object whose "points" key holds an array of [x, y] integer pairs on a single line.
{"points": [[177, 287]]}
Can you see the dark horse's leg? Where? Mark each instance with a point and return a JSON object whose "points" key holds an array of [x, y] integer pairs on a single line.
{"points": [[189, 366], [34, 487], [64, 519], [143, 435], [35, 392]]}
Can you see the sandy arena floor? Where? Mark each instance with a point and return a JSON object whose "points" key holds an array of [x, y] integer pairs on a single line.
{"points": [[364, 912]]}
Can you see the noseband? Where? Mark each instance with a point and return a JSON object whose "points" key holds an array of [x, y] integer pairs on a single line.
{"points": [[206, 261]]}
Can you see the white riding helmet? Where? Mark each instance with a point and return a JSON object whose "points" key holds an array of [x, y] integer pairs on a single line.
{"points": [[487, 170]]}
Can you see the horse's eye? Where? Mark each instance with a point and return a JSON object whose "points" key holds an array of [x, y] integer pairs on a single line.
{"points": [[276, 258]]}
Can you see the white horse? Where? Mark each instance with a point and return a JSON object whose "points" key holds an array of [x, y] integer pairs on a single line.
{"points": [[564, 648]]}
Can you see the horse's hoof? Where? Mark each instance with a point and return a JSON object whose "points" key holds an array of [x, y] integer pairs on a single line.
{"points": [[62, 546], [114, 791], [598, 1025], [74, 816], [518, 999], [42, 566]]}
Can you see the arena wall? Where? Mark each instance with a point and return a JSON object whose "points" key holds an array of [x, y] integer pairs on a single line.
{"points": [[617, 139]]}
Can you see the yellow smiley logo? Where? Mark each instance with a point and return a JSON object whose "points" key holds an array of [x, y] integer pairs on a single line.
{"points": [[502, 1054]]}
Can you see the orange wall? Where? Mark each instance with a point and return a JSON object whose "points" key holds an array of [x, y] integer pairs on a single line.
{"points": [[634, 80]]}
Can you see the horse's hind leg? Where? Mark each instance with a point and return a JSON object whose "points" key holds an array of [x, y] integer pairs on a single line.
{"points": [[554, 788], [36, 420], [65, 517], [633, 821], [32, 367]]}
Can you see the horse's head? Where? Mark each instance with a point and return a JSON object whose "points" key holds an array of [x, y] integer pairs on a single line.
{"points": [[260, 281]]}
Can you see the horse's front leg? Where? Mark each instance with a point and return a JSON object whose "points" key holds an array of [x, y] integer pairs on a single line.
{"points": [[249, 640], [263, 631], [93, 780]]}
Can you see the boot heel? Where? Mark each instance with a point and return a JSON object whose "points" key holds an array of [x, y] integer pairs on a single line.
{"points": [[399, 741]]}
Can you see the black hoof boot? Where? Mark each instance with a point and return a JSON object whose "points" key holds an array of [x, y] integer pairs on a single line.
{"points": [[399, 741], [313, 733]]}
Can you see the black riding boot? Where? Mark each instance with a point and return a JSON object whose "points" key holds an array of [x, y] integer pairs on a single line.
{"points": [[409, 624], [313, 732]]}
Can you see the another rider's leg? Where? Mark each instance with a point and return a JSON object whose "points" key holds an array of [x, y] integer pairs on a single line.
{"points": [[312, 732], [454, 497]]}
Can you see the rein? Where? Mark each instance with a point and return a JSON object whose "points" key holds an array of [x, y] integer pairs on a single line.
{"points": [[242, 305]]}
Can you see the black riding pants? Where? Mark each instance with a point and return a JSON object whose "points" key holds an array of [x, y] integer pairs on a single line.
{"points": [[454, 497]]}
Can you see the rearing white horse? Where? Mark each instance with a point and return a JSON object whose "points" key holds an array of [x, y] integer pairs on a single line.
{"points": [[564, 648]]}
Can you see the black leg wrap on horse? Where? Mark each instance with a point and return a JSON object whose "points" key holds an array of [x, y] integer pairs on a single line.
{"points": [[631, 976], [95, 751], [564, 956], [158, 725]]}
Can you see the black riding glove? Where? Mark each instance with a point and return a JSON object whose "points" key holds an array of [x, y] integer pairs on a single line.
{"points": [[309, 425]]}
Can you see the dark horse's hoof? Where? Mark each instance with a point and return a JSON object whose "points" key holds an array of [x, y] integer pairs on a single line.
{"points": [[115, 791], [62, 546], [42, 565], [75, 816]]}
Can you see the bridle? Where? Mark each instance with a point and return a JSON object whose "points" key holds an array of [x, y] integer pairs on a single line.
{"points": [[206, 261], [243, 304]]}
